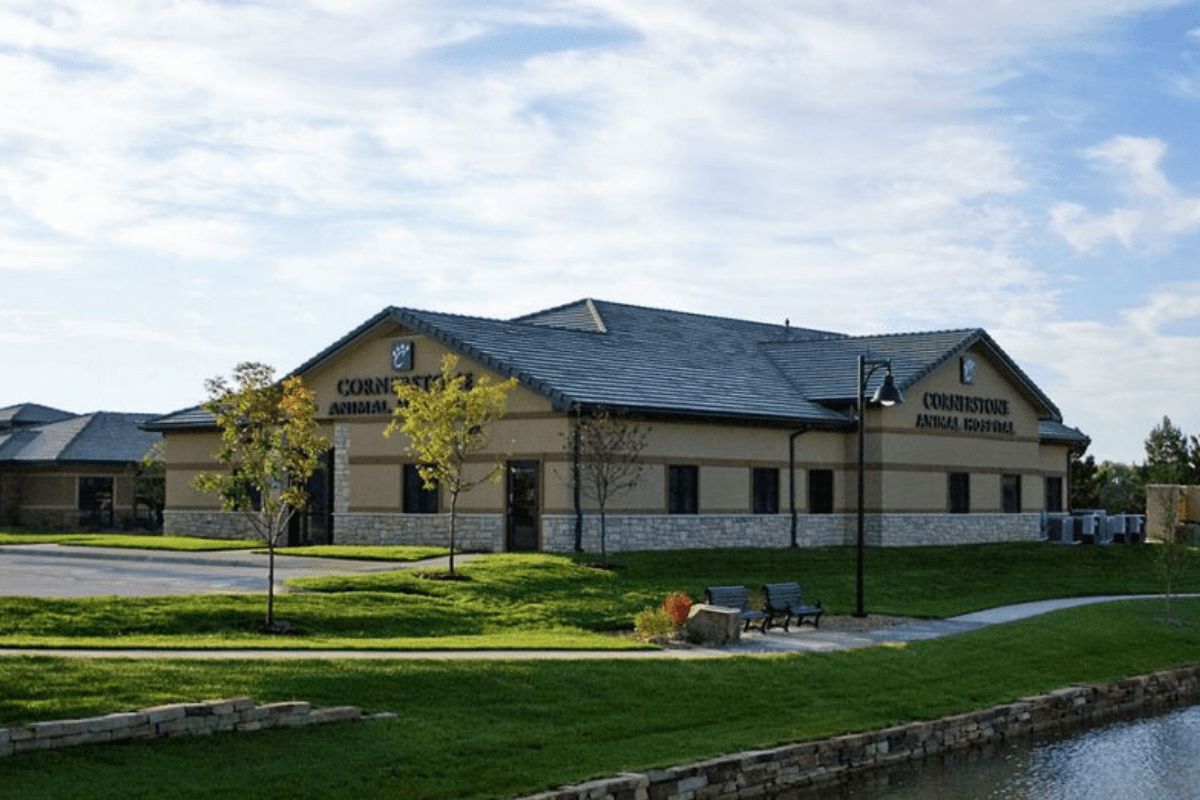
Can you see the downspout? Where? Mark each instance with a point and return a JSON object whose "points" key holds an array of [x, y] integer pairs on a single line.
{"points": [[575, 475], [792, 480]]}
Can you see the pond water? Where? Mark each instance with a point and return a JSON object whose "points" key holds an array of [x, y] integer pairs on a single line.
{"points": [[1154, 758]]}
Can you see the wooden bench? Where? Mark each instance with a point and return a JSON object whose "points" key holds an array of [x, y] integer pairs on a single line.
{"points": [[787, 600], [735, 597]]}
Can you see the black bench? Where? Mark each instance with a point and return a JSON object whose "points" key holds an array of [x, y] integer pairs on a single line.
{"points": [[735, 597], [787, 600]]}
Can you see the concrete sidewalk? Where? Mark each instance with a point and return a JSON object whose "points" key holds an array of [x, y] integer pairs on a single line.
{"points": [[810, 640], [805, 640], [801, 640]]}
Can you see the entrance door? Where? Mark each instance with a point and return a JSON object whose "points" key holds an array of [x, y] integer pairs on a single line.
{"points": [[522, 515], [314, 523], [96, 502]]}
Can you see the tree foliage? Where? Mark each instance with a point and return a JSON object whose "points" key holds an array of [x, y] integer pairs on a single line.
{"points": [[1172, 554], [445, 426], [270, 446], [149, 483], [1122, 488], [1085, 482], [1172, 458], [1168, 456], [608, 453]]}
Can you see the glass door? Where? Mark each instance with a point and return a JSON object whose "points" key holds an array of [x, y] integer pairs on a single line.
{"points": [[522, 506]]}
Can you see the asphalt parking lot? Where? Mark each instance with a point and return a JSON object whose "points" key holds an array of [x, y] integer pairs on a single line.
{"points": [[49, 570]]}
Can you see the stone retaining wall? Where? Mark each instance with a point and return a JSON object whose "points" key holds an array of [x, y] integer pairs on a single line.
{"points": [[780, 770], [178, 719]]}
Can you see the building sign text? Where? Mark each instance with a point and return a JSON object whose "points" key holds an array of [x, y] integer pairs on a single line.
{"points": [[952, 405], [376, 395]]}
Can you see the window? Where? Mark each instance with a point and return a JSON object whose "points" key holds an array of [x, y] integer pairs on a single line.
{"points": [[766, 490], [96, 502], [1010, 494], [1054, 495], [683, 489], [960, 492], [418, 499], [820, 491]]}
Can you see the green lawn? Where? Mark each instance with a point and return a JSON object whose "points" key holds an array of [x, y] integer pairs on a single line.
{"points": [[479, 729], [497, 729], [531, 601], [143, 541]]}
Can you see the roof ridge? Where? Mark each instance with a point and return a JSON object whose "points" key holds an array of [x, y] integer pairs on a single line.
{"points": [[785, 326], [899, 334]]}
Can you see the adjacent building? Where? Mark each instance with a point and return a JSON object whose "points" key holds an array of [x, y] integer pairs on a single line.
{"points": [[66, 471], [752, 435]]}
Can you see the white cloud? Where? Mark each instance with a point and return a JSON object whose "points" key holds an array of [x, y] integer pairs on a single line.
{"points": [[1155, 211], [844, 165]]}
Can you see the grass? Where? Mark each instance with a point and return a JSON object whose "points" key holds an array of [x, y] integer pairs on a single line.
{"points": [[157, 541], [539, 601], [476, 729], [366, 553], [141, 541], [497, 729]]}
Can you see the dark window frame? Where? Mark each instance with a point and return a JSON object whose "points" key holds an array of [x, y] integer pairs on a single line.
{"points": [[1054, 494], [683, 489], [1010, 493], [820, 491], [765, 490], [959, 492], [415, 498]]}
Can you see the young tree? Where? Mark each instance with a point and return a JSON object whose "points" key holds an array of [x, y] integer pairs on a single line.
{"points": [[270, 446], [445, 425], [1171, 555], [608, 459], [150, 485]]}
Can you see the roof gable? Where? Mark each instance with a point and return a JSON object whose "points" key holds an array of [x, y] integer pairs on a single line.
{"points": [[827, 371]]}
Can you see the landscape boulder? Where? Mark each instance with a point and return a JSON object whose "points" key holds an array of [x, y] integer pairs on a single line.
{"points": [[716, 626]]}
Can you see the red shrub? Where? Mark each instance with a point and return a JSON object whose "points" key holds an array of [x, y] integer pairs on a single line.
{"points": [[677, 607]]}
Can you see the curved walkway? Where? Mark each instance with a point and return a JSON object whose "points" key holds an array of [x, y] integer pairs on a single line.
{"points": [[806, 640], [57, 571]]}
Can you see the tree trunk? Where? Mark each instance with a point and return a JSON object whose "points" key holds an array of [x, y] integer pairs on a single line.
{"points": [[453, 520], [270, 584], [603, 539]]}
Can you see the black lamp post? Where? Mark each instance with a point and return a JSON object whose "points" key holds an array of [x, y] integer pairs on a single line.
{"points": [[886, 395]]}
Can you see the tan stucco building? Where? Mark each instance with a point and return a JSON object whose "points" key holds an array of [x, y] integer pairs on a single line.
{"points": [[68, 471], [753, 437]]}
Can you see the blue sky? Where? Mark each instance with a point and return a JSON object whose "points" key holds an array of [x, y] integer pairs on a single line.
{"points": [[186, 185]]}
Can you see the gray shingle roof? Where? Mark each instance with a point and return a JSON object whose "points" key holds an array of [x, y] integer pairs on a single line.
{"points": [[103, 437], [660, 362], [1052, 430], [30, 414]]}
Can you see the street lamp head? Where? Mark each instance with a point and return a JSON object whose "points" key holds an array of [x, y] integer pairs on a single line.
{"points": [[887, 394]]}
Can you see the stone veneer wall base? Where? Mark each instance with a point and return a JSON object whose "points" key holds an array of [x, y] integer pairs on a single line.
{"points": [[485, 532], [790, 768], [698, 531]]}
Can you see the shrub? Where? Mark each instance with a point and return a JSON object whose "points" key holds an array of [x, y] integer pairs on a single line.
{"points": [[677, 607], [653, 624]]}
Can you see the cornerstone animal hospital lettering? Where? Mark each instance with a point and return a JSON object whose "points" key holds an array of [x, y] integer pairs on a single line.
{"points": [[966, 404], [380, 391]]}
